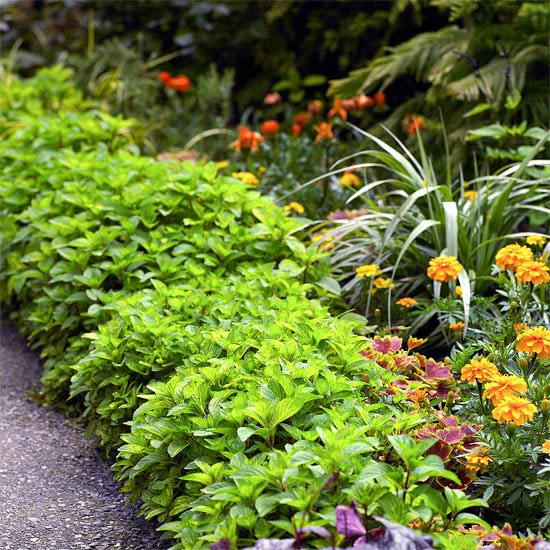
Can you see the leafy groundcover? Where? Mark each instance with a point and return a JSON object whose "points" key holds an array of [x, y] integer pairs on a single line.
{"points": [[176, 310]]}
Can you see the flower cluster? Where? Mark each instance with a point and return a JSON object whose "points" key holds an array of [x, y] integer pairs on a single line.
{"points": [[520, 259]]}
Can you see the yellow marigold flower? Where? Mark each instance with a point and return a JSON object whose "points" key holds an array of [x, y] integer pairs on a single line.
{"points": [[222, 164], [413, 343], [516, 410], [477, 460], [518, 327], [327, 243], [536, 240], [295, 207], [545, 448], [479, 369], [246, 177], [444, 269], [503, 386], [533, 272], [458, 291], [534, 340], [456, 327], [349, 179], [367, 270], [513, 255], [406, 302], [470, 195], [382, 282]]}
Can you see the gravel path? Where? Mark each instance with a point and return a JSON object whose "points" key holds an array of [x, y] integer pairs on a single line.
{"points": [[55, 491]]}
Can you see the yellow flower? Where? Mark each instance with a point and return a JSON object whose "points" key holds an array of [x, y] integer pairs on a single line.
{"points": [[516, 410], [470, 195], [545, 448], [349, 179], [477, 460], [533, 272], [457, 327], [458, 291], [222, 164], [413, 343], [479, 369], [294, 207], [534, 340], [444, 269], [327, 243], [502, 386], [536, 240], [511, 256], [367, 270], [406, 302], [518, 327], [382, 282], [262, 170], [246, 177]]}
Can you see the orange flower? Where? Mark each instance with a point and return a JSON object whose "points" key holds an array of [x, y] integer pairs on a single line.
{"points": [[477, 460], [533, 272], [444, 269], [248, 140], [479, 369], [382, 282], [269, 127], [338, 110], [413, 343], [511, 256], [380, 99], [363, 102], [457, 327], [406, 302], [502, 386], [349, 179], [415, 123], [296, 130], [181, 83], [316, 107], [545, 448], [324, 132], [516, 410], [534, 340], [272, 98], [518, 327], [302, 118], [164, 76]]}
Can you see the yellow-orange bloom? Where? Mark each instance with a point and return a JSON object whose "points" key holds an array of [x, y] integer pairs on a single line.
{"points": [[295, 207], [382, 282], [246, 177], [513, 255], [413, 343], [406, 302], [534, 340], [513, 409], [518, 327], [479, 369], [533, 272], [349, 179], [338, 109], [536, 240], [324, 132], [326, 243], [248, 139], [503, 386], [457, 327], [470, 195], [477, 460], [444, 269], [458, 291], [545, 447], [367, 270]]}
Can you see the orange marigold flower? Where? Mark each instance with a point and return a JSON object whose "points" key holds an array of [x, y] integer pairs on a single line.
{"points": [[511, 256], [457, 327], [248, 139], [477, 460], [382, 282], [272, 98], [269, 127], [380, 99], [413, 343], [367, 270], [534, 340], [363, 102], [545, 447], [338, 109], [444, 269], [180, 83], [536, 240], [295, 207], [316, 107], [302, 118], [479, 369], [502, 386], [296, 130], [349, 179], [534, 272], [324, 132], [164, 76], [513, 409], [406, 302], [415, 123], [518, 327]]}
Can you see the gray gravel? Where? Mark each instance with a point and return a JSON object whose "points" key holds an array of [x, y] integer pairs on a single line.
{"points": [[56, 493]]}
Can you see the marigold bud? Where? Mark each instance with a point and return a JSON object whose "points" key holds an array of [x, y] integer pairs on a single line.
{"points": [[523, 363], [377, 313], [545, 406]]}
